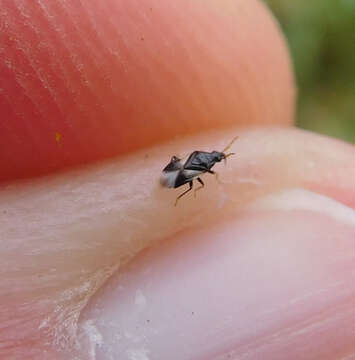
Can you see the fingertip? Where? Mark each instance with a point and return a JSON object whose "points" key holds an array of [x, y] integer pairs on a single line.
{"points": [[268, 271], [110, 86]]}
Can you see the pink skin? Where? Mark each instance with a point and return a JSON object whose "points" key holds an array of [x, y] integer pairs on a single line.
{"points": [[79, 83], [238, 290], [264, 275], [97, 263]]}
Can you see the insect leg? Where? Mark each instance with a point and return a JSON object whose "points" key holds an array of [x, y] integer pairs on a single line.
{"points": [[189, 189], [216, 175], [200, 187]]}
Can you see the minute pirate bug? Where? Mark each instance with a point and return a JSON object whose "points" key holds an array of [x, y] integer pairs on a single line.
{"points": [[178, 173]]}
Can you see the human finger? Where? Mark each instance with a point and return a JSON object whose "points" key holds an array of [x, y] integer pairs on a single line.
{"points": [[83, 81], [64, 236]]}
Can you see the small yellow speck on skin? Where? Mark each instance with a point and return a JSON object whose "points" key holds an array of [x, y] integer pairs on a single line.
{"points": [[58, 137]]}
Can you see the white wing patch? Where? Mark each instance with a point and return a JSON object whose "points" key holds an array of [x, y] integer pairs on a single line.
{"points": [[192, 173], [168, 178]]}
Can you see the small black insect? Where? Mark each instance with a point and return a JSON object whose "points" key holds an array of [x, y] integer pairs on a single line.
{"points": [[178, 173]]}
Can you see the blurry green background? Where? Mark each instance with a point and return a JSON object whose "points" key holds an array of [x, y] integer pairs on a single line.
{"points": [[321, 37]]}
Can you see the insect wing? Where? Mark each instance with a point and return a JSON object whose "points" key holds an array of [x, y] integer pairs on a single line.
{"points": [[171, 172], [199, 160], [186, 176]]}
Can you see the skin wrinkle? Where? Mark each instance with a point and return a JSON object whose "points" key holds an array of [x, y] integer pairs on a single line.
{"points": [[88, 210], [312, 325]]}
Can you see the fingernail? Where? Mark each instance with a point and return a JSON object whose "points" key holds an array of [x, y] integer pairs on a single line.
{"points": [[275, 282]]}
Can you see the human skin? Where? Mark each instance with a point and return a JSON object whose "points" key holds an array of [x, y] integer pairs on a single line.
{"points": [[96, 261]]}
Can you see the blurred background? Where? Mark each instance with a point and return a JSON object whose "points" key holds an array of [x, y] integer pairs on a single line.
{"points": [[321, 37]]}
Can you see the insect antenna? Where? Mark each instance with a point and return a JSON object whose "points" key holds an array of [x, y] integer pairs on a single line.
{"points": [[228, 147], [230, 144]]}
